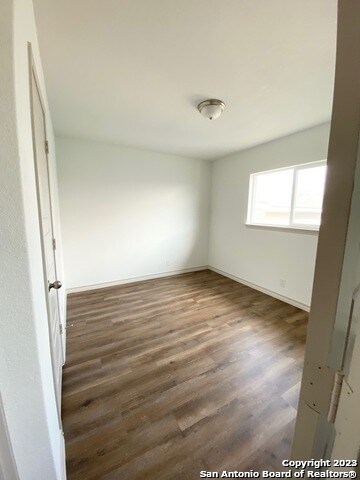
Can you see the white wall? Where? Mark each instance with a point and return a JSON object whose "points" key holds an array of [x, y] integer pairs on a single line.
{"points": [[25, 363], [126, 212], [258, 255]]}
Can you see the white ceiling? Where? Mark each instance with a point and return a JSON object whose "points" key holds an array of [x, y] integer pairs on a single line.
{"points": [[132, 71]]}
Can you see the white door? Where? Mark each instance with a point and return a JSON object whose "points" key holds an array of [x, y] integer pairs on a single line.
{"points": [[52, 283]]}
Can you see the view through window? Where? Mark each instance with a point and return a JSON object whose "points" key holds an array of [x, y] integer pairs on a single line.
{"points": [[290, 197]]}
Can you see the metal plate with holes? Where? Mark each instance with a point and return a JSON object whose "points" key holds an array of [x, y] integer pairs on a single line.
{"points": [[317, 387]]}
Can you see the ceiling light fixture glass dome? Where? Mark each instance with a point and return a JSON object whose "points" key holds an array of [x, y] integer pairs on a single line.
{"points": [[211, 108]]}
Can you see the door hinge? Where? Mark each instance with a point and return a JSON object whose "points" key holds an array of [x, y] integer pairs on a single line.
{"points": [[54, 243], [335, 396], [46, 147], [61, 329]]}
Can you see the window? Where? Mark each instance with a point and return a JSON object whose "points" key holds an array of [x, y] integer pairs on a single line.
{"points": [[288, 197]]}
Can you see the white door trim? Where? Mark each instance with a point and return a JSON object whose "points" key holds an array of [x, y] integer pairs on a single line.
{"points": [[8, 469], [328, 329]]}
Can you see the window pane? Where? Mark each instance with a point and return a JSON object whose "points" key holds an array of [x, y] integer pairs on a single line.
{"points": [[272, 197], [309, 195]]}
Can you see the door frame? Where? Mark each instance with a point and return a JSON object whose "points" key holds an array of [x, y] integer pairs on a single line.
{"points": [[330, 321], [34, 81]]}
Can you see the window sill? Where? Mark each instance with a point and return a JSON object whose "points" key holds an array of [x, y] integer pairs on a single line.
{"points": [[310, 230]]}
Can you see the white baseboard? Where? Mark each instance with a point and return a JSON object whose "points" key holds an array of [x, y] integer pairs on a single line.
{"points": [[124, 281], [135, 279], [295, 303]]}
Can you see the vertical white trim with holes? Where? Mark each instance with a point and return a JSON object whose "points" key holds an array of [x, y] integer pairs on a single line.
{"points": [[327, 344]]}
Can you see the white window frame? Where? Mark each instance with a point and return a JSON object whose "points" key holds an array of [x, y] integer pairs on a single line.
{"points": [[291, 225]]}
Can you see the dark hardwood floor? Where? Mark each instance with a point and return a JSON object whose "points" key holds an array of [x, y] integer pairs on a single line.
{"points": [[171, 376]]}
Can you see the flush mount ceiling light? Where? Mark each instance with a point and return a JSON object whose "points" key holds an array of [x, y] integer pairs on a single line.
{"points": [[212, 108]]}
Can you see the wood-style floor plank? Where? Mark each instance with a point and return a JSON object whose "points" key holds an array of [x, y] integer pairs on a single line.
{"points": [[171, 376]]}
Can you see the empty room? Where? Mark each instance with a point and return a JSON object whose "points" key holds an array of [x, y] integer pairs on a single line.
{"points": [[180, 228]]}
